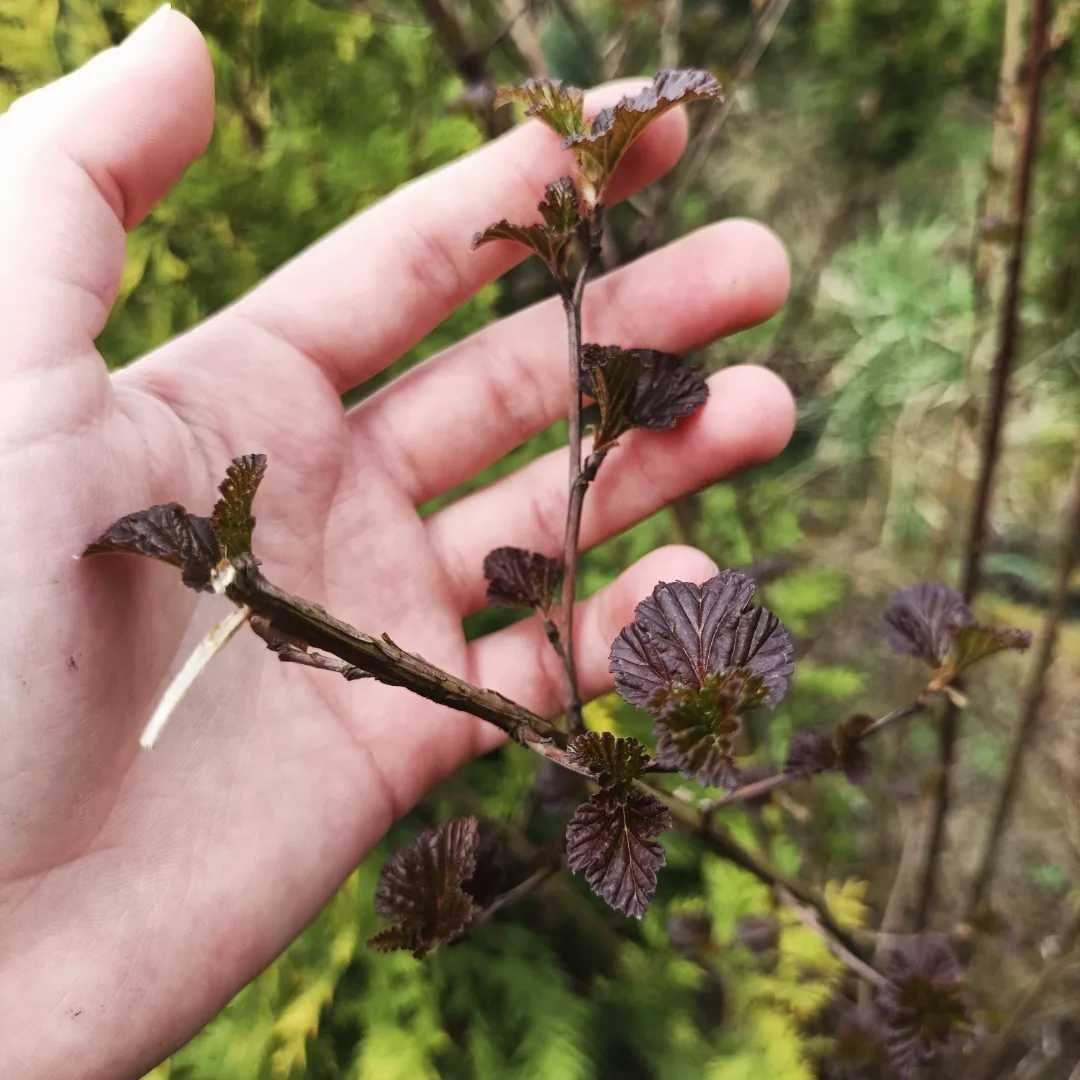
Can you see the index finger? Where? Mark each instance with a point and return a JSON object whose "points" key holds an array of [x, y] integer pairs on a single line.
{"points": [[366, 293]]}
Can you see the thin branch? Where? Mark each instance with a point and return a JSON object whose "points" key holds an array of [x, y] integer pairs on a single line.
{"points": [[989, 1062], [519, 892], [720, 841], [1007, 349], [809, 918], [1031, 710], [757, 788], [705, 143], [578, 478], [294, 619]]}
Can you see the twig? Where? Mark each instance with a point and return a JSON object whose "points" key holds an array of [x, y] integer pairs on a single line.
{"points": [[1031, 711], [988, 1064], [294, 619], [517, 893], [579, 478], [809, 918], [1008, 346], [762, 34], [719, 840], [767, 784]]}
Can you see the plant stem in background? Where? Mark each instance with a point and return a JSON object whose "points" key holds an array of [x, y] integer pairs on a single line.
{"points": [[660, 224], [1034, 694], [988, 1064], [1004, 359]]}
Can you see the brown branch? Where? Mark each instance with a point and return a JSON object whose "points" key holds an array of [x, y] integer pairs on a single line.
{"points": [[721, 843], [519, 892], [1031, 711], [579, 478], [1007, 349], [289, 621], [292, 627], [767, 784]]}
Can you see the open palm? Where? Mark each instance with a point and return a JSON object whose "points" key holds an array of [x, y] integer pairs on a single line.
{"points": [[139, 891]]}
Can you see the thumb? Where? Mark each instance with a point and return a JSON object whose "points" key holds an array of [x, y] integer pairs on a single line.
{"points": [[82, 161]]}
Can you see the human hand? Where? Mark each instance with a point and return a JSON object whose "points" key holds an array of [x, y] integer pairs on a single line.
{"points": [[139, 891]]}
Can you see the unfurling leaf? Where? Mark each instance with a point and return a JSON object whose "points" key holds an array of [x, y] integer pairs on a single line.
{"points": [[168, 533], [921, 1007], [612, 842], [233, 521], [519, 578], [684, 632], [696, 728], [614, 130], [195, 544], [561, 206], [812, 752], [551, 239], [616, 763], [976, 642], [639, 388], [923, 618], [421, 889], [550, 100]]}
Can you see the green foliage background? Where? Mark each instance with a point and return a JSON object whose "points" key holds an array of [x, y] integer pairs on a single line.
{"points": [[862, 139]]}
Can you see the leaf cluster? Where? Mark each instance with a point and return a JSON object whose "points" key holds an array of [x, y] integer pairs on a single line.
{"points": [[567, 214], [196, 545], [600, 146], [698, 658], [935, 624]]}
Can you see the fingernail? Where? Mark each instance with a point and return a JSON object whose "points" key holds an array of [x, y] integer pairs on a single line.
{"points": [[150, 26]]}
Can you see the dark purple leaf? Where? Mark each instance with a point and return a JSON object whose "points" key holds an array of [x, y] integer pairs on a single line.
{"points": [[168, 533], [519, 578], [612, 842], [233, 520], [421, 889], [639, 388], [685, 632], [550, 100], [921, 1007], [551, 239], [616, 763], [614, 130], [923, 618]]}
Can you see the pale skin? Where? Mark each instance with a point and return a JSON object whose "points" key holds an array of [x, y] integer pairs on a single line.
{"points": [[139, 890]]}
